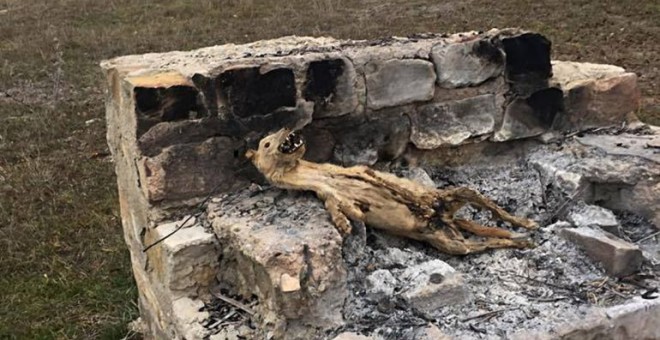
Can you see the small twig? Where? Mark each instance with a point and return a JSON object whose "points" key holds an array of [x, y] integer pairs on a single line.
{"points": [[221, 321], [233, 302], [602, 283], [563, 206], [619, 294], [477, 330], [489, 314], [543, 282], [199, 212], [648, 237], [559, 298]]}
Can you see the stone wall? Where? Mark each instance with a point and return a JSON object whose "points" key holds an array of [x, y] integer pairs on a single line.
{"points": [[179, 123]]}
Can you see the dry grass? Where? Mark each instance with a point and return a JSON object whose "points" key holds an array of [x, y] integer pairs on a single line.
{"points": [[64, 270]]}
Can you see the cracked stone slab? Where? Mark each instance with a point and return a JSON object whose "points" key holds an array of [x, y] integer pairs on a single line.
{"points": [[431, 285], [634, 320], [595, 94], [186, 262], [630, 180], [626, 145], [530, 116], [602, 171], [618, 257], [591, 215], [453, 122], [185, 171], [284, 249]]}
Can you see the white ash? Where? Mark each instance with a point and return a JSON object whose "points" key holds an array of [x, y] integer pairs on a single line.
{"points": [[535, 289]]}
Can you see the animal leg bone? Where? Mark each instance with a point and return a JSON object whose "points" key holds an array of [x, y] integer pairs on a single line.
{"points": [[443, 242], [341, 222], [486, 231], [467, 195]]}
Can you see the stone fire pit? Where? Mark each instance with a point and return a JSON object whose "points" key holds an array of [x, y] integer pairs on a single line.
{"points": [[554, 141]]}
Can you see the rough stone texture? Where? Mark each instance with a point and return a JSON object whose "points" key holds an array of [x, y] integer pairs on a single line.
{"points": [[397, 82], [626, 144], [651, 251], [618, 257], [380, 284], [634, 320], [451, 123], [467, 64], [431, 285], [624, 184], [185, 263], [351, 336], [188, 318], [164, 134], [552, 173], [383, 137], [591, 215], [615, 177], [288, 256], [430, 332], [595, 95], [187, 171], [531, 116]]}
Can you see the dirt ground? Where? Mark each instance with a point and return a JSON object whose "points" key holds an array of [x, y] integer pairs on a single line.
{"points": [[64, 270]]}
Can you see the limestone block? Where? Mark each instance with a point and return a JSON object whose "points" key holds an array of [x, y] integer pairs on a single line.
{"points": [[530, 116], [284, 249], [431, 285], [630, 179], [468, 63], [618, 257], [637, 319], [186, 263], [398, 82], [592, 215], [186, 171], [188, 319], [383, 137], [453, 122], [165, 134], [595, 95]]}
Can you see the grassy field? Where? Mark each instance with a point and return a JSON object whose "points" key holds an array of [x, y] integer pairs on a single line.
{"points": [[64, 270]]}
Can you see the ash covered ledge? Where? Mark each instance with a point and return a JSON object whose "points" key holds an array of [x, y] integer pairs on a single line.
{"points": [[444, 109]]}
